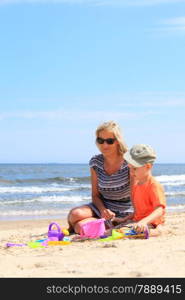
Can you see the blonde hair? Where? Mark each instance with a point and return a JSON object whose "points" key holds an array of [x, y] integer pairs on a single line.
{"points": [[113, 127]]}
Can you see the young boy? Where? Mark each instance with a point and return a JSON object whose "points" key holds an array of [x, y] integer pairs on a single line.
{"points": [[147, 194]]}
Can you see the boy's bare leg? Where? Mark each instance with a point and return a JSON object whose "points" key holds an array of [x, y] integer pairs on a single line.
{"points": [[157, 231]]}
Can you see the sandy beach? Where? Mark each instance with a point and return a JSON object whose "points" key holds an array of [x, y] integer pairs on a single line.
{"points": [[162, 256]]}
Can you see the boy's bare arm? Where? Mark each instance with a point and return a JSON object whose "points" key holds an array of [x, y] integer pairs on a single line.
{"points": [[122, 220], [141, 225]]}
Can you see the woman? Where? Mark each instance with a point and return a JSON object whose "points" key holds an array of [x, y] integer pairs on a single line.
{"points": [[110, 180]]}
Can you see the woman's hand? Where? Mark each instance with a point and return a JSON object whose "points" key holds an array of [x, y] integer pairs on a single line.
{"points": [[107, 214]]}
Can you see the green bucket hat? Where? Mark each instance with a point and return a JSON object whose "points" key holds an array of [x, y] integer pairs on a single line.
{"points": [[139, 155]]}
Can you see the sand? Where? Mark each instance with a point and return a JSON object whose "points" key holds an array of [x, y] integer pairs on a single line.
{"points": [[162, 256]]}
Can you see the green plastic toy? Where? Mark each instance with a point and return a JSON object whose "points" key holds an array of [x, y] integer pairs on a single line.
{"points": [[130, 233], [35, 245]]}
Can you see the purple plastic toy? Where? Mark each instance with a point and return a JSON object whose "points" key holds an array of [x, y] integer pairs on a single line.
{"points": [[55, 234], [15, 245], [146, 233]]}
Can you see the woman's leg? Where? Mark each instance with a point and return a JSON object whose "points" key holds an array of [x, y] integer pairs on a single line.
{"points": [[79, 215]]}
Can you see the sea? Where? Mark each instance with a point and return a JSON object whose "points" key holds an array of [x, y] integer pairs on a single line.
{"points": [[49, 191]]}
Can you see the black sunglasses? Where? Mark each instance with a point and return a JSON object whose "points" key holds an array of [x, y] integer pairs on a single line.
{"points": [[109, 141]]}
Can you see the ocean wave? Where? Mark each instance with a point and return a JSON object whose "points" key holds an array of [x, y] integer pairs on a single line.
{"points": [[180, 193], [43, 212], [33, 189], [54, 212], [47, 180], [179, 207], [166, 179], [173, 183], [173, 180], [64, 199], [52, 199], [38, 190]]}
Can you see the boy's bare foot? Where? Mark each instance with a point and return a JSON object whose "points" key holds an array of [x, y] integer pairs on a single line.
{"points": [[108, 232]]}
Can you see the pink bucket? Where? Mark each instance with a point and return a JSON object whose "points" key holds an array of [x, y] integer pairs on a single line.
{"points": [[93, 229]]}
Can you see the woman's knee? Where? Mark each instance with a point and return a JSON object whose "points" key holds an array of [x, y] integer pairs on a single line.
{"points": [[79, 213], [75, 213]]}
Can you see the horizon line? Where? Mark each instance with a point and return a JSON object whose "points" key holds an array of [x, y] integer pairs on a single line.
{"points": [[73, 163]]}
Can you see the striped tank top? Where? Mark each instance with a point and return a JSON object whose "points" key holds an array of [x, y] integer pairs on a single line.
{"points": [[115, 186]]}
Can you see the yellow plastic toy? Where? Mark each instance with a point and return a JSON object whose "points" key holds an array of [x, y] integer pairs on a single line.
{"points": [[65, 231], [58, 243]]}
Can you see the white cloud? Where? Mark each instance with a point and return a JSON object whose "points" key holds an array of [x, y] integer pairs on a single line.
{"points": [[171, 26], [99, 2], [174, 24], [138, 2], [73, 115], [135, 106], [180, 21], [153, 99]]}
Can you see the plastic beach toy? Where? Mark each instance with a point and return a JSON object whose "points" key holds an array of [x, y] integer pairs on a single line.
{"points": [[58, 243], [115, 236], [35, 245], [55, 234], [129, 233], [93, 229], [15, 245], [132, 233], [65, 231]]}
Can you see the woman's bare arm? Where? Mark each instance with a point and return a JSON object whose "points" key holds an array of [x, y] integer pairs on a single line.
{"points": [[105, 213]]}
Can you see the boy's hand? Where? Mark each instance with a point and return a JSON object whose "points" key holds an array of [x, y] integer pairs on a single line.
{"points": [[140, 226]]}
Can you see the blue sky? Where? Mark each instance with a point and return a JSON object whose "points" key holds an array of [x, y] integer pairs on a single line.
{"points": [[66, 66]]}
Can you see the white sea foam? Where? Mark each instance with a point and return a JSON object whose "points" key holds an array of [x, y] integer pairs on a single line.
{"points": [[180, 207], [174, 180], [20, 201], [44, 212], [42, 189], [54, 212], [34, 189], [181, 193], [52, 199], [63, 199]]}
